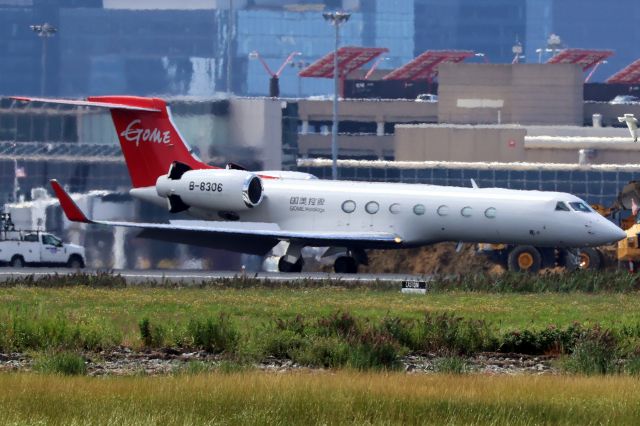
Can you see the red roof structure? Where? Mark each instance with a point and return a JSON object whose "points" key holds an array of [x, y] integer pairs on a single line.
{"points": [[628, 75], [586, 58], [425, 66], [350, 58]]}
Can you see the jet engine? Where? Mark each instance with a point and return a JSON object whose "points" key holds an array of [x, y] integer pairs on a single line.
{"points": [[210, 189]]}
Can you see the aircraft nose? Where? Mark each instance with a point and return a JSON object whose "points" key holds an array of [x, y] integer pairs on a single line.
{"points": [[611, 233]]}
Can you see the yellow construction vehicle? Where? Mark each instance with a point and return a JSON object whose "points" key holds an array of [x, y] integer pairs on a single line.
{"points": [[628, 251]]}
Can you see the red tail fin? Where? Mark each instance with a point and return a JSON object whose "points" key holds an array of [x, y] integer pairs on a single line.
{"points": [[150, 141]]}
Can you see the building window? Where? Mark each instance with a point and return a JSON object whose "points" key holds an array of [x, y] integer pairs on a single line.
{"points": [[372, 207], [349, 206], [419, 209]]}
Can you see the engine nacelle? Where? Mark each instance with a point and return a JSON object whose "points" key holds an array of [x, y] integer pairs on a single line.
{"points": [[211, 189]]}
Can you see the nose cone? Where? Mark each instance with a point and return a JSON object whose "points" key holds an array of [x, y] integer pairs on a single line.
{"points": [[607, 232]]}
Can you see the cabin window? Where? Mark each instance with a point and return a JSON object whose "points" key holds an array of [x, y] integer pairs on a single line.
{"points": [[466, 211], [561, 207], [394, 208], [443, 210], [490, 213], [580, 207], [349, 206], [372, 207], [419, 209]]}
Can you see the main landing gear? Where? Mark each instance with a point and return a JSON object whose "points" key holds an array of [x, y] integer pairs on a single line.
{"points": [[286, 266], [347, 261]]}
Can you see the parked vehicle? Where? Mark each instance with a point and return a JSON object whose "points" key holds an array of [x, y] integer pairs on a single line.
{"points": [[19, 248]]}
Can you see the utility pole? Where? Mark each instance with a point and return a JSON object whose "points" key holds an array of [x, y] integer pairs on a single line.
{"points": [[229, 54], [44, 31], [335, 19]]}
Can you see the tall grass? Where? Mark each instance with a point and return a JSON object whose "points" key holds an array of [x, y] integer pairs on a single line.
{"points": [[65, 363], [338, 398]]}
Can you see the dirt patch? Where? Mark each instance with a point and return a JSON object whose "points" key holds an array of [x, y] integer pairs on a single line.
{"points": [[435, 259]]}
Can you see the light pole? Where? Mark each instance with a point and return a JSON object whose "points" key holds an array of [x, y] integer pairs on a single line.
{"points": [[44, 31], [229, 44], [335, 19]]}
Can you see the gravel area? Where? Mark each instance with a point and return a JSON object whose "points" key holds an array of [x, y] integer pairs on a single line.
{"points": [[126, 362]]}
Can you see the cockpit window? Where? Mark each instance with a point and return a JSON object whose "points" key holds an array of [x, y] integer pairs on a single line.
{"points": [[580, 207], [562, 207]]}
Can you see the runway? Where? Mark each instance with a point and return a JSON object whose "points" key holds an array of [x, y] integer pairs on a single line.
{"points": [[194, 277]]}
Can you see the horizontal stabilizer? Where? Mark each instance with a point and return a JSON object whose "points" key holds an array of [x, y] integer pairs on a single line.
{"points": [[109, 105]]}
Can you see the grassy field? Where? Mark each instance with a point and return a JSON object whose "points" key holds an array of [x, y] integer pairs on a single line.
{"points": [[319, 398], [122, 309]]}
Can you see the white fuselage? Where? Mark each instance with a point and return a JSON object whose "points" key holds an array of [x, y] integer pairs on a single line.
{"points": [[422, 214]]}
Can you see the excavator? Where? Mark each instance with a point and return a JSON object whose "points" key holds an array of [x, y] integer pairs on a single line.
{"points": [[624, 212]]}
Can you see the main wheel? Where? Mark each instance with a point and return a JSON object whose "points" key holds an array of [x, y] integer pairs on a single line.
{"points": [[345, 265], [524, 259], [75, 262], [284, 266], [17, 262], [590, 259]]}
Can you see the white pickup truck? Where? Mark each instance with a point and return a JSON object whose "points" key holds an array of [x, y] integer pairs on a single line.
{"points": [[36, 248]]}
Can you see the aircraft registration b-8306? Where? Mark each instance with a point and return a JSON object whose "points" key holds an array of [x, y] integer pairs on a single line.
{"points": [[251, 212]]}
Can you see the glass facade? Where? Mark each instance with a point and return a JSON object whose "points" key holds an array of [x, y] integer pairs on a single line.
{"points": [[595, 185], [490, 26], [99, 50]]}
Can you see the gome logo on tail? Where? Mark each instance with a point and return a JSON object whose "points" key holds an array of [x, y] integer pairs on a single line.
{"points": [[134, 133]]}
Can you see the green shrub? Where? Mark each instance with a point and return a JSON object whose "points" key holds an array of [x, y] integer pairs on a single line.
{"points": [[65, 363], [322, 351], [341, 324], [280, 343], [595, 352], [401, 330], [213, 335], [451, 365], [374, 349], [451, 334], [152, 334], [535, 342]]}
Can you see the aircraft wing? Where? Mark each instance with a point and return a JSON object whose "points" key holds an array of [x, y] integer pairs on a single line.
{"points": [[248, 237]]}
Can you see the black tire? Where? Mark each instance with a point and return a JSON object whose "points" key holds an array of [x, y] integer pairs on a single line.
{"points": [[17, 261], [590, 259], [75, 262], [524, 259], [345, 265], [284, 266]]}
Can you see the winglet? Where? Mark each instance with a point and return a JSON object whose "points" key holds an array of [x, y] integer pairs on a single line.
{"points": [[70, 208]]}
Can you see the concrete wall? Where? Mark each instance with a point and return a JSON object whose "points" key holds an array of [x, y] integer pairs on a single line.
{"points": [[505, 93], [513, 143], [257, 123], [394, 111], [348, 145], [459, 143]]}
